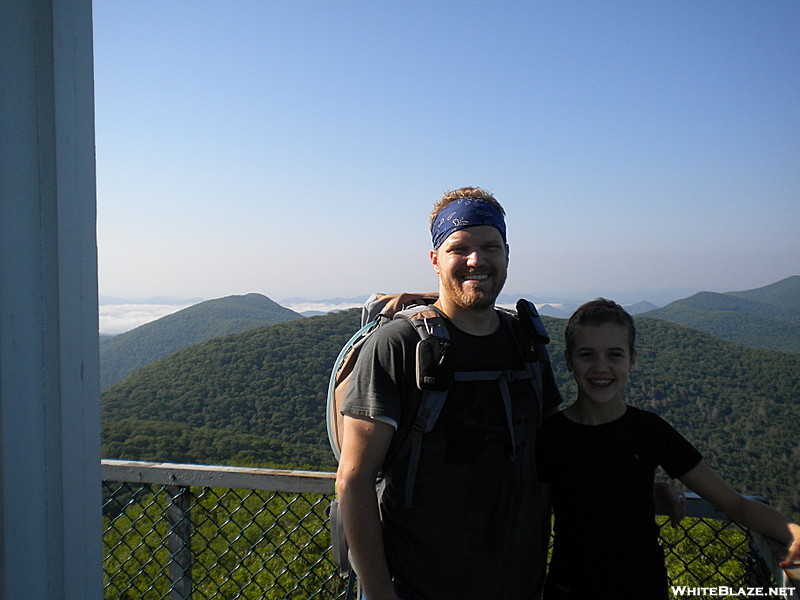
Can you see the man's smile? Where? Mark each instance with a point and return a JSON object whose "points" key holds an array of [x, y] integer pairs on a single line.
{"points": [[474, 277]]}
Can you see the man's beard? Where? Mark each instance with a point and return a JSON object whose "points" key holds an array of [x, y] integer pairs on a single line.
{"points": [[473, 297]]}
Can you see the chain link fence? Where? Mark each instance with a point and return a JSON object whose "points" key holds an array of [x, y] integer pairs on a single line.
{"points": [[710, 552], [172, 532], [178, 532]]}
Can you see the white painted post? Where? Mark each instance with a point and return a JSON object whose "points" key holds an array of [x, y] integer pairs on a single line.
{"points": [[50, 496]]}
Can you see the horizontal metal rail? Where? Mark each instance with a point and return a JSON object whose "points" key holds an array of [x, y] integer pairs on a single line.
{"points": [[770, 550], [239, 478], [196, 506]]}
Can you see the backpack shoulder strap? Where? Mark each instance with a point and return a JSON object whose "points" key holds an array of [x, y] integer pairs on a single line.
{"points": [[530, 336], [426, 319], [429, 324], [377, 310], [547, 386]]}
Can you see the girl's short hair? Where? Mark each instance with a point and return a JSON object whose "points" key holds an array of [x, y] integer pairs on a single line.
{"points": [[597, 312]]}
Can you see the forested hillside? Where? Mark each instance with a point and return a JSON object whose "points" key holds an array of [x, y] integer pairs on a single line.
{"points": [[258, 397], [766, 317], [739, 405], [259, 390], [122, 354]]}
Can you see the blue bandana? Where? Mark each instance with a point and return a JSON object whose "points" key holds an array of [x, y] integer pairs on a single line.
{"points": [[463, 213]]}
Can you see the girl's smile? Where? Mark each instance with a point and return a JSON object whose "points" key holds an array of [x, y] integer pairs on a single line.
{"points": [[600, 364]]}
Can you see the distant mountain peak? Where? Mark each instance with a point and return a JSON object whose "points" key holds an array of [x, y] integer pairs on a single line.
{"points": [[784, 293], [124, 353], [765, 317]]}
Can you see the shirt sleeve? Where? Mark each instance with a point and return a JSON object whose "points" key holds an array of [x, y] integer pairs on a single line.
{"points": [[678, 455], [380, 379]]}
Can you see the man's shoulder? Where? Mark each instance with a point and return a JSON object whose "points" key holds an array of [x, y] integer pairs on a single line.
{"points": [[395, 333], [397, 327]]}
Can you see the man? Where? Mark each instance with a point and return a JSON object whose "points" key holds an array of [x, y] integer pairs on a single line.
{"points": [[474, 529]]}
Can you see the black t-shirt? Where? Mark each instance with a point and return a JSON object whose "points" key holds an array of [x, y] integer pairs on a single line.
{"points": [[606, 539], [473, 531]]}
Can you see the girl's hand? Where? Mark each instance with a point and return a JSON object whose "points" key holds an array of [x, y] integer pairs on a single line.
{"points": [[794, 549], [670, 501]]}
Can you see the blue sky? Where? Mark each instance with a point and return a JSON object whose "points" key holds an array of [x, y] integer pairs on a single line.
{"points": [[295, 148]]}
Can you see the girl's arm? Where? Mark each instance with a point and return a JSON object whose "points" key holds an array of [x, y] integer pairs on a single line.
{"points": [[750, 513]]}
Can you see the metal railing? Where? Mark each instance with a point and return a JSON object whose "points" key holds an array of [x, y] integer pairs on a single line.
{"points": [[176, 532], [181, 532], [708, 551]]}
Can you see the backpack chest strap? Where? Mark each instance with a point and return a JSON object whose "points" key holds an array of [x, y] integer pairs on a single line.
{"points": [[529, 372], [502, 378], [433, 401]]}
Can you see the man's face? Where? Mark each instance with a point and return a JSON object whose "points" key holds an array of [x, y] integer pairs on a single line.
{"points": [[472, 264]]}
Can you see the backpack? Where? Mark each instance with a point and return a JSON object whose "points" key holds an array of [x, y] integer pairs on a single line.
{"points": [[432, 374]]}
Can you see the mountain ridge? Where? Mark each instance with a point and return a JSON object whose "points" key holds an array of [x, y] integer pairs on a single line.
{"points": [[765, 317], [122, 354]]}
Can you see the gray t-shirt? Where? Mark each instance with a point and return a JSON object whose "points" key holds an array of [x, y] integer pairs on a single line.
{"points": [[473, 531]]}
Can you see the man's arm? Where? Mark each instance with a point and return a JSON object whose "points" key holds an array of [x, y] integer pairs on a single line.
{"points": [[365, 442]]}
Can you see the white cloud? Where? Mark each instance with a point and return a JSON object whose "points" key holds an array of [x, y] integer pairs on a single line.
{"points": [[119, 318], [302, 307]]}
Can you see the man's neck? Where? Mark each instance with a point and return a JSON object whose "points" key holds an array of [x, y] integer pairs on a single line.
{"points": [[482, 321]]}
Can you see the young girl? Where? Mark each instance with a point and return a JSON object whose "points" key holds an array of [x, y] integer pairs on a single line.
{"points": [[600, 456]]}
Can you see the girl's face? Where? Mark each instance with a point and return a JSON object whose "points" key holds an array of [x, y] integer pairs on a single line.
{"points": [[601, 362]]}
